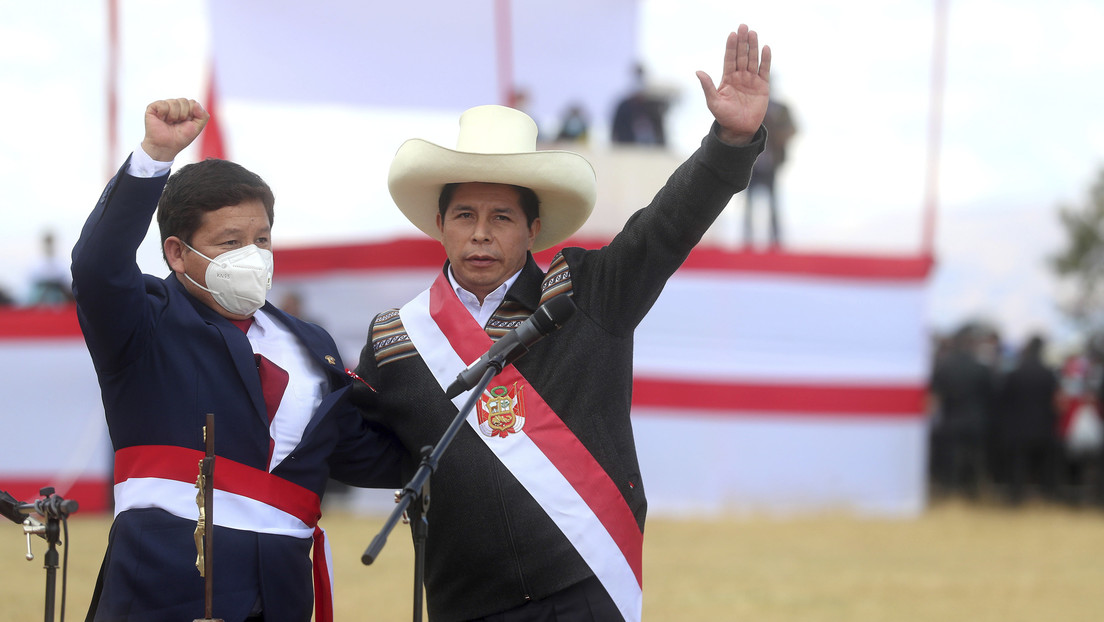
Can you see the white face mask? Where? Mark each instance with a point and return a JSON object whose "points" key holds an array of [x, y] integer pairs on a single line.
{"points": [[238, 279]]}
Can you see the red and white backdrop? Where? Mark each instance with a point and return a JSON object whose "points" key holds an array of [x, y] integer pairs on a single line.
{"points": [[764, 382]]}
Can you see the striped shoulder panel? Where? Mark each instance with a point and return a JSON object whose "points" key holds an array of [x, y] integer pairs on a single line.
{"points": [[390, 342], [508, 316], [558, 279]]}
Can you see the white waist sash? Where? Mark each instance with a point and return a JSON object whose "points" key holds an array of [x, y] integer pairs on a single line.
{"points": [[248, 499]]}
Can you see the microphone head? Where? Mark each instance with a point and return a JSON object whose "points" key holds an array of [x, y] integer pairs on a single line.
{"points": [[9, 507], [553, 314]]}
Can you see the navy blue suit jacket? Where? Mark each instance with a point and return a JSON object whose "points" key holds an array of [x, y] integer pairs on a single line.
{"points": [[164, 359]]}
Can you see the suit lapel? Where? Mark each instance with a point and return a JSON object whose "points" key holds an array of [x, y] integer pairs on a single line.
{"points": [[237, 347], [322, 354], [241, 353]]}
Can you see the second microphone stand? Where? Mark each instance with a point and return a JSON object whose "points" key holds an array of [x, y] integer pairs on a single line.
{"points": [[415, 494]]}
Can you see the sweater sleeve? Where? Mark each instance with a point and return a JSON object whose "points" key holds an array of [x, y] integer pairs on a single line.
{"points": [[618, 284]]}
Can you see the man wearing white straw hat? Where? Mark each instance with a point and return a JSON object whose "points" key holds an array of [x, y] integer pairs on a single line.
{"points": [[538, 512]]}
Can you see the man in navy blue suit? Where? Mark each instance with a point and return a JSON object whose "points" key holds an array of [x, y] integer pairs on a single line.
{"points": [[204, 340]]}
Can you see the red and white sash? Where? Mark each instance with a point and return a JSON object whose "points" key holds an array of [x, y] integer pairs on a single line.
{"points": [[549, 461], [246, 498]]}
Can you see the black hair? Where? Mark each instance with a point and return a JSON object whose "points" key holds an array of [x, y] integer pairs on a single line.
{"points": [[205, 187], [530, 204]]}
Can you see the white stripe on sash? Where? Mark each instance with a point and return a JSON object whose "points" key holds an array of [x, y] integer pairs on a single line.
{"points": [[231, 510], [548, 486]]}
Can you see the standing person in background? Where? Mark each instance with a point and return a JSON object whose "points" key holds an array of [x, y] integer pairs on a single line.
{"points": [[1080, 425], [51, 283], [1026, 424], [640, 118], [538, 506], [962, 388], [204, 340], [780, 130], [574, 125]]}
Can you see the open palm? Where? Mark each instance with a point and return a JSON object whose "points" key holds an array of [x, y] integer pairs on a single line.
{"points": [[739, 102]]}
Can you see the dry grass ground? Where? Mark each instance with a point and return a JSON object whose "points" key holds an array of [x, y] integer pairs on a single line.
{"points": [[957, 562]]}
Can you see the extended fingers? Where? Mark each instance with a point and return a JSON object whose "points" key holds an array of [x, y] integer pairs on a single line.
{"points": [[742, 53], [753, 51], [765, 64], [707, 85], [731, 61], [741, 45]]}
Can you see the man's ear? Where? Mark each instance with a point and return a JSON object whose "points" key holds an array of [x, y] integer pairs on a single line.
{"points": [[534, 231], [174, 253]]}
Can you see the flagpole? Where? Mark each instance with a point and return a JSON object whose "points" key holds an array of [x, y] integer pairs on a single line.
{"points": [[504, 52], [112, 87], [935, 127]]}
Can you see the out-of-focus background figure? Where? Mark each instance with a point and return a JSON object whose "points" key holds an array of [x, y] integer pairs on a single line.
{"points": [[781, 128], [51, 283]]}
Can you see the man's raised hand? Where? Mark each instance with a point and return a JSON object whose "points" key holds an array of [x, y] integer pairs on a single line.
{"points": [[739, 102], [172, 125]]}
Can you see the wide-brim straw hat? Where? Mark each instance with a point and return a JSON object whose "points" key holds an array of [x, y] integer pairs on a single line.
{"points": [[496, 144]]}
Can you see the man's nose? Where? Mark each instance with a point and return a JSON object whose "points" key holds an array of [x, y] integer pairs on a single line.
{"points": [[482, 230]]}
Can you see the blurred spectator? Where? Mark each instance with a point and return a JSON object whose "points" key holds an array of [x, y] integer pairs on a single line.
{"points": [[1080, 429], [1025, 424], [574, 125], [5, 298], [780, 129], [292, 304], [639, 117], [962, 391], [51, 282], [520, 100], [989, 350]]}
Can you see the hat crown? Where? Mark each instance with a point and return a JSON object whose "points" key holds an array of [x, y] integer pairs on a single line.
{"points": [[496, 129], [495, 145]]}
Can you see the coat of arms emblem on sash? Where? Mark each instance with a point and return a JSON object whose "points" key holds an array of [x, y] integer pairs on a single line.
{"points": [[501, 410]]}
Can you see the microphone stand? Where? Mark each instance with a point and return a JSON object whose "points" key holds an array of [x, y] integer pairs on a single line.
{"points": [[55, 510], [417, 489]]}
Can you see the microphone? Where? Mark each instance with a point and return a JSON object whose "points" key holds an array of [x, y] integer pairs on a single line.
{"points": [[547, 318], [52, 506], [9, 507]]}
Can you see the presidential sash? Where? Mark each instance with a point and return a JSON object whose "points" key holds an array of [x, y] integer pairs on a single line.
{"points": [[246, 498], [531, 440]]}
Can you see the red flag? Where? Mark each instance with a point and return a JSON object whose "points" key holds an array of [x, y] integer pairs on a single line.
{"points": [[211, 144]]}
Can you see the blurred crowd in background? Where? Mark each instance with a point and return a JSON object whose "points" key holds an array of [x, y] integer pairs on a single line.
{"points": [[1016, 425]]}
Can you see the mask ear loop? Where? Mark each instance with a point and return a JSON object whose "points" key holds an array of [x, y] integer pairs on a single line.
{"points": [[209, 260], [221, 264], [209, 291]]}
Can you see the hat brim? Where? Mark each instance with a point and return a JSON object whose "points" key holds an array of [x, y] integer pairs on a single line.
{"points": [[563, 181]]}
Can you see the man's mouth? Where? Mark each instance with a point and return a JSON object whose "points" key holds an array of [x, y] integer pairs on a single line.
{"points": [[480, 260]]}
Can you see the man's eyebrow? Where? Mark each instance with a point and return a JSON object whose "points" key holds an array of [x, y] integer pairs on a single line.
{"points": [[237, 231]]}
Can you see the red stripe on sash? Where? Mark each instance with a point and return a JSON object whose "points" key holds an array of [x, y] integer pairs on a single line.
{"points": [[182, 464], [545, 428], [323, 590]]}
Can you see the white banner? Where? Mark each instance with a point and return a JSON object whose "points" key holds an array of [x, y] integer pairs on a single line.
{"points": [[433, 54]]}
